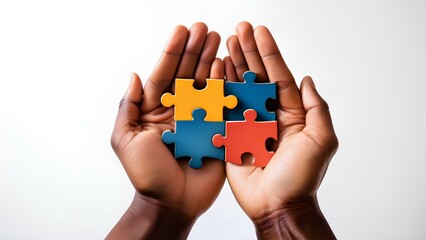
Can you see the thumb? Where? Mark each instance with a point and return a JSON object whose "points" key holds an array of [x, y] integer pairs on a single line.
{"points": [[318, 120], [129, 110]]}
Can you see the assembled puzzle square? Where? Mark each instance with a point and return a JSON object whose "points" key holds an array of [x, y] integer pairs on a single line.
{"points": [[202, 130]]}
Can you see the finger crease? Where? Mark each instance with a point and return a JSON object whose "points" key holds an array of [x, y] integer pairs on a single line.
{"points": [[158, 84], [240, 65], [172, 53], [284, 84], [318, 107], [293, 110], [312, 138], [206, 60], [269, 55], [125, 101], [191, 53], [254, 50]]}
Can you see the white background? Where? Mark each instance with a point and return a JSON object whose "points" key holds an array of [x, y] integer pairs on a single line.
{"points": [[64, 66]]}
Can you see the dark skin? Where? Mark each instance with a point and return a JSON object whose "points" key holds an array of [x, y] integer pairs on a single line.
{"points": [[280, 199], [171, 189], [283, 194]]}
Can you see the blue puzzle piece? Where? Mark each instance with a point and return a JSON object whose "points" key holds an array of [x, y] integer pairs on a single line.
{"points": [[250, 95], [194, 138]]}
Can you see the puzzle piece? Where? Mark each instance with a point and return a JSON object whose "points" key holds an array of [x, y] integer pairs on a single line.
{"points": [[250, 95], [194, 138], [187, 98], [247, 136]]}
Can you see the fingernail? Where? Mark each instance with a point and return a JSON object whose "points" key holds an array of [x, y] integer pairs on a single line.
{"points": [[131, 78], [312, 83]]}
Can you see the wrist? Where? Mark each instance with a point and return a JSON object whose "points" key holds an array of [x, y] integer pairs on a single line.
{"points": [[301, 220], [147, 218]]}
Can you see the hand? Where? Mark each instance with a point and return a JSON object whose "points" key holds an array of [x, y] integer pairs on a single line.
{"points": [[167, 191], [282, 195]]}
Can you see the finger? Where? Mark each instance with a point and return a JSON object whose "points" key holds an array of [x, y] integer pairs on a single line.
{"points": [[129, 110], [217, 69], [208, 55], [162, 76], [230, 73], [237, 56], [318, 120], [249, 48], [196, 38], [277, 70]]}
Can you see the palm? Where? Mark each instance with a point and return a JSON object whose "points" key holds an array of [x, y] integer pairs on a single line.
{"points": [[150, 165], [306, 140]]}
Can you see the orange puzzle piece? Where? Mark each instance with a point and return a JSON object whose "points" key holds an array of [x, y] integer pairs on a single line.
{"points": [[186, 99], [247, 136]]}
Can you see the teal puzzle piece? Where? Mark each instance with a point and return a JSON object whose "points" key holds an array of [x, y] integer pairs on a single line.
{"points": [[250, 95], [194, 139]]}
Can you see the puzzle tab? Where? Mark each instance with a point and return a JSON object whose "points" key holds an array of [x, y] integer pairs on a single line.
{"points": [[247, 136], [187, 98], [250, 95], [194, 139]]}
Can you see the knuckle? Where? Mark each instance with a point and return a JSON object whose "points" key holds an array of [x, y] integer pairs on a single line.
{"points": [[320, 107], [331, 142], [123, 103], [324, 105], [334, 142], [114, 141]]}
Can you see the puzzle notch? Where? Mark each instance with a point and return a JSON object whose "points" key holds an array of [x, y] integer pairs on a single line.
{"points": [[250, 95], [187, 98]]}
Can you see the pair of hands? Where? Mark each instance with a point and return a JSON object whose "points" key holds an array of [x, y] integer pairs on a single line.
{"points": [[169, 191]]}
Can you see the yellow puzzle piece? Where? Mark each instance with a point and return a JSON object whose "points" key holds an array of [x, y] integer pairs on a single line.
{"points": [[187, 98]]}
